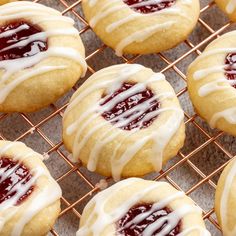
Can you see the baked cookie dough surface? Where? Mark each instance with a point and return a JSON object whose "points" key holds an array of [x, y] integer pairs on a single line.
{"points": [[211, 83], [228, 7], [110, 211], [125, 28], [43, 62], [29, 196], [225, 201], [113, 139]]}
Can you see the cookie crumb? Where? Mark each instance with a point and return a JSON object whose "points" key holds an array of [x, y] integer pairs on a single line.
{"points": [[102, 184], [32, 130], [45, 156]]}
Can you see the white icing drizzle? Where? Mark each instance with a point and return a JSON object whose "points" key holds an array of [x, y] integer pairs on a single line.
{"points": [[218, 84], [54, 18], [110, 8], [126, 71], [13, 66], [104, 218], [118, 165], [11, 32], [25, 6], [21, 15], [145, 3], [231, 6], [135, 15], [39, 198], [155, 207], [42, 36], [160, 137], [213, 86], [92, 2], [104, 13], [230, 179], [10, 67], [216, 51], [173, 218], [229, 115], [141, 36], [201, 74]]}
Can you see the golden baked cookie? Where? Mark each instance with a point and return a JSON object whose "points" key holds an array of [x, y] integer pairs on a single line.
{"points": [[228, 7], [212, 82], [41, 56], [225, 202], [141, 27], [29, 196], [141, 207], [125, 120], [6, 1]]}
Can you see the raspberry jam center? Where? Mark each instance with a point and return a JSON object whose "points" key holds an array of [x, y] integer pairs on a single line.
{"points": [[133, 111], [127, 227], [147, 6], [19, 40], [230, 70], [13, 179]]}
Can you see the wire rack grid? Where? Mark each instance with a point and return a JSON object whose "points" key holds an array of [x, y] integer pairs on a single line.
{"points": [[186, 172]]}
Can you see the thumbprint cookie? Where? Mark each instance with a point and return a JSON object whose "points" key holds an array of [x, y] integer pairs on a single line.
{"points": [[41, 56], [141, 207], [125, 120], [228, 7], [29, 196], [141, 26], [225, 202], [212, 82]]}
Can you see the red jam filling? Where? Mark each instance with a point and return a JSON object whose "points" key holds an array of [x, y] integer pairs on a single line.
{"points": [[13, 176], [130, 103], [230, 70], [20, 34], [141, 7], [137, 229]]}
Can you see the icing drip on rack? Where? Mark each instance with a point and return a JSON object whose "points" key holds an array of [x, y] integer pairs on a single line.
{"points": [[149, 6], [13, 175], [127, 101], [128, 225], [231, 6], [227, 77], [160, 136], [111, 7], [26, 196], [230, 180], [101, 218], [23, 45]]}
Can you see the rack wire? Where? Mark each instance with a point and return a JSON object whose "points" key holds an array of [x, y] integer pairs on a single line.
{"points": [[187, 172]]}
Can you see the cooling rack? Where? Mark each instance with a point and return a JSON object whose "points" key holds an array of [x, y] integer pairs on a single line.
{"points": [[196, 168]]}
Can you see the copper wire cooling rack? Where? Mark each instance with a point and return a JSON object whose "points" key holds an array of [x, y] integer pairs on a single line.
{"points": [[197, 166]]}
